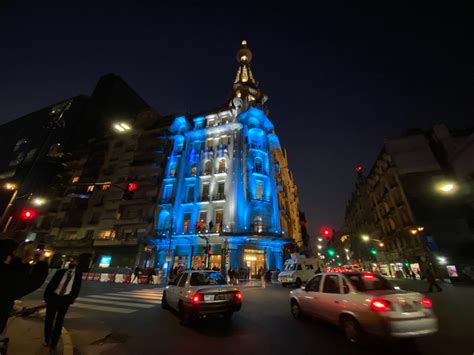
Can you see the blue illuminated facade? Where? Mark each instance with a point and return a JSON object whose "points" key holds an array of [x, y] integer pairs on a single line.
{"points": [[218, 202]]}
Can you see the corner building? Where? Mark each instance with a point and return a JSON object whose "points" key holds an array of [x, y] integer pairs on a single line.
{"points": [[219, 204]]}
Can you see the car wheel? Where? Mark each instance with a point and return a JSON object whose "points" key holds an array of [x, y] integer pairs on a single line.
{"points": [[298, 282], [164, 303], [352, 330], [296, 310], [185, 316]]}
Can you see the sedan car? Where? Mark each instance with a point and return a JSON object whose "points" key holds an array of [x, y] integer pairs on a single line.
{"points": [[365, 303], [199, 293]]}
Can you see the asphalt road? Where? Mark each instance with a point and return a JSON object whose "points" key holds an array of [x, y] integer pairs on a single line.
{"points": [[128, 319]]}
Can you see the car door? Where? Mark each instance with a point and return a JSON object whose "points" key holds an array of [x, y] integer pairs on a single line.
{"points": [[309, 300], [181, 289], [171, 292], [330, 298]]}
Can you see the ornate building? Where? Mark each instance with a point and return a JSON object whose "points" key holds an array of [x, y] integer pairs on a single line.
{"points": [[228, 198]]}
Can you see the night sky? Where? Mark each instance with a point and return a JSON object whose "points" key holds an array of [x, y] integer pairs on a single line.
{"points": [[340, 77]]}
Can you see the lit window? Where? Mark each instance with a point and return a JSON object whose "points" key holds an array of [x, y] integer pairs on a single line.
{"points": [[90, 188], [194, 170], [75, 179], [106, 185], [259, 194], [107, 234]]}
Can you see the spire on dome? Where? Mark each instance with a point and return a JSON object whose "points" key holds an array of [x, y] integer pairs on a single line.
{"points": [[245, 85]]}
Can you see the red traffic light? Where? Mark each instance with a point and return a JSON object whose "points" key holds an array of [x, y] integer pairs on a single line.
{"points": [[132, 186], [28, 214], [326, 232]]}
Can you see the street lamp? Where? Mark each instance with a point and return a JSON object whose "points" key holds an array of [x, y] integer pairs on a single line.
{"points": [[320, 247], [122, 127], [10, 186], [39, 201], [447, 187], [365, 237]]}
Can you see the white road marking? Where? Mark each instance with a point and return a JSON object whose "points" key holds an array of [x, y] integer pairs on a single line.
{"points": [[116, 303], [103, 308], [123, 298]]}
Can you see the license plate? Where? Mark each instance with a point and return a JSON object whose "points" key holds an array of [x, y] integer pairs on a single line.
{"points": [[407, 307], [208, 297], [220, 297]]}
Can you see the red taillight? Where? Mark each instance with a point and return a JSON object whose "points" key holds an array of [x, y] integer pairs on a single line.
{"points": [[197, 298], [426, 302], [368, 277], [380, 305], [238, 296]]}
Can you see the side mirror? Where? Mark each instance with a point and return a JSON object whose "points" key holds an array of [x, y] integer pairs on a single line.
{"points": [[303, 288]]}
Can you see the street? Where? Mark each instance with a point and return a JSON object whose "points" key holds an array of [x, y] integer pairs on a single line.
{"points": [[128, 319]]}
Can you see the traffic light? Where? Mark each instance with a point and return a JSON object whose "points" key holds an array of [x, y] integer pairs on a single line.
{"points": [[28, 214], [128, 193], [339, 264], [331, 252], [373, 251], [326, 232]]}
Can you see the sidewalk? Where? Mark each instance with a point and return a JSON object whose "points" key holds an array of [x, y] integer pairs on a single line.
{"points": [[26, 337]]}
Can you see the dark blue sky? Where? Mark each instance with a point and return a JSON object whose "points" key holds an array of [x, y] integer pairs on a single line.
{"points": [[340, 77]]}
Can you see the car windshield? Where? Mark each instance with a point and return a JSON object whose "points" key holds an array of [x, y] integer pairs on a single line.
{"points": [[290, 267], [206, 278], [369, 282]]}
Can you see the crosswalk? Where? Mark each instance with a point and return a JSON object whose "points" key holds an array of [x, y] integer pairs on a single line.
{"points": [[121, 302]]}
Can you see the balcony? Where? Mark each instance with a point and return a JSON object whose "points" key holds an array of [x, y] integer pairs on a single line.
{"points": [[218, 196], [165, 200], [204, 198], [115, 242], [75, 243], [221, 171]]}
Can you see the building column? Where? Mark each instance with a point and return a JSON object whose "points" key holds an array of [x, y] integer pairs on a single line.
{"points": [[277, 258]]}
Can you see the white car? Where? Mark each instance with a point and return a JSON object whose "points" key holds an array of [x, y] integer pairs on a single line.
{"points": [[365, 303], [201, 293]]}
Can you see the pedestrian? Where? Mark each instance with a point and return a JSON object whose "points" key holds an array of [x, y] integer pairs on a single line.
{"points": [[18, 279], [60, 293], [231, 276], [318, 270], [236, 276], [431, 278], [413, 275], [261, 273], [136, 274]]}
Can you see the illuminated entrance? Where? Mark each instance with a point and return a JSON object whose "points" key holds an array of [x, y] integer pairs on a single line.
{"points": [[254, 260]]}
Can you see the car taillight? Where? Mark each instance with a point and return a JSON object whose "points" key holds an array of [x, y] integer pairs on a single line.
{"points": [[197, 298], [378, 305], [238, 296], [426, 302]]}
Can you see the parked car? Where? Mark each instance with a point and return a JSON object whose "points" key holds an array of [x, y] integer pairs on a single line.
{"points": [[364, 303], [200, 293]]}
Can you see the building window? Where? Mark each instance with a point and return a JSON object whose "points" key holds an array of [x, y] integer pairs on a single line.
{"points": [[258, 165], [259, 193], [201, 223], [205, 192], [167, 191], [190, 194], [222, 166], [107, 234], [219, 219], [258, 224], [90, 188], [75, 179], [89, 234], [193, 170], [187, 221], [19, 143], [224, 140], [220, 191], [164, 222], [207, 167], [72, 235], [106, 185], [172, 172]]}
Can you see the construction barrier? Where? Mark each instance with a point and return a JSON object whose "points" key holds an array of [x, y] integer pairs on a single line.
{"points": [[85, 275], [119, 278], [96, 277], [143, 279], [127, 279], [111, 278], [104, 277]]}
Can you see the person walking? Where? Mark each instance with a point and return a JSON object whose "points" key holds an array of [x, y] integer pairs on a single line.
{"points": [[136, 274], [231, 276], [60, 293], [431, 278], [18, 279], [236, 276]]}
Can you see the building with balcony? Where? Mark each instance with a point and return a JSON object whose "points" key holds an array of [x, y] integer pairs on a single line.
{"points": [[228, 198]]}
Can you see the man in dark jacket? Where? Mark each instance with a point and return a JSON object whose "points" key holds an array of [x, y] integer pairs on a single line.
{"points": [[17, 280], [60, 293]]}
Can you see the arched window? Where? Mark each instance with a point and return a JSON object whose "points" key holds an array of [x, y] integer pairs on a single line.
{"points": [[207, 168], [172, 172], [194, 170], [164, 222], [258, 224], [258, 165], [222, 166]]}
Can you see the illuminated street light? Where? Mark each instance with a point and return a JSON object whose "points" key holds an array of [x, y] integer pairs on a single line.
{"points": [[365, 238], [39, 201], [447, 187], [346, 250], [320, 239], [122, 127], [320, 246], [10, 186], [420, 229], [381, 245]]}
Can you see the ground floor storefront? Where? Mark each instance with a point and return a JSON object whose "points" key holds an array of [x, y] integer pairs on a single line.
{"points": [[249, 255]]}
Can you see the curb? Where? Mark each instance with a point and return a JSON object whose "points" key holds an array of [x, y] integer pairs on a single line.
{"points": [[68, 348]]}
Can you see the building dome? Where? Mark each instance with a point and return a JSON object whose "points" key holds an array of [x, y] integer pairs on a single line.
{"points": [[244, 55]]}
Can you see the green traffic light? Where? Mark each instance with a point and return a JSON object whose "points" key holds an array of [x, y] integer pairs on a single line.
{"points": [[373, 251], [339, 264], [331, 252]]}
